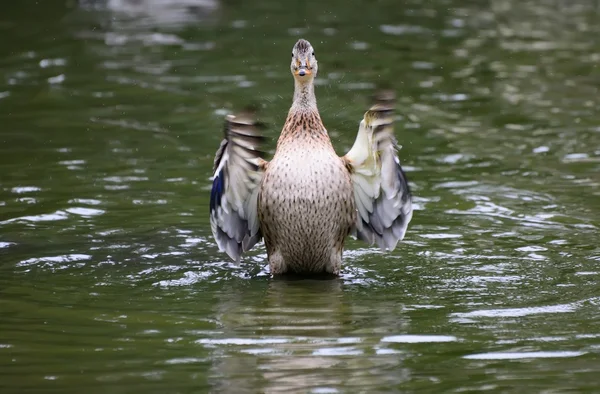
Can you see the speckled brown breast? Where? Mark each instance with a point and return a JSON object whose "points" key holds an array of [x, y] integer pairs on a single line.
{"points": [[306, 206]]}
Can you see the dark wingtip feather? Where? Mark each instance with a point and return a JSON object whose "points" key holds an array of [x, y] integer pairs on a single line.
{"points": [[382, 108], [384, 99], [219, 154]]}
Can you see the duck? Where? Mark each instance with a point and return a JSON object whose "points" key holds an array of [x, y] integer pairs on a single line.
{"points": [[307, 200]]}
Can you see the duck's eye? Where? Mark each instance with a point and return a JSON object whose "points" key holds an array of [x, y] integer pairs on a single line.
{"points": [[313, 54], [292, 55]]}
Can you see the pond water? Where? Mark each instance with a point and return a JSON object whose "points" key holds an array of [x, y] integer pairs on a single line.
{"points": [[110, 281]]}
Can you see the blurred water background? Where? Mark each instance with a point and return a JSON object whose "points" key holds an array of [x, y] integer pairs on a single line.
{"points": [[111, 112]]}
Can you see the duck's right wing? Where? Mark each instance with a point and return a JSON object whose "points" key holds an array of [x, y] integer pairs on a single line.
{"points": [[238, 171], [381, 190]]}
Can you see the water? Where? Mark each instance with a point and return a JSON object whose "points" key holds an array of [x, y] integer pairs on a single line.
{"points": [[110, 281]]}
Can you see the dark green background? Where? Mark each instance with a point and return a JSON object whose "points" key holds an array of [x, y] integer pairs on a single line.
{"points": [[110, 281]]}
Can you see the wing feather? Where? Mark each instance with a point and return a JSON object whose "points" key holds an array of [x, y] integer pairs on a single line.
{"points": [[234, 195], [381, 192]]}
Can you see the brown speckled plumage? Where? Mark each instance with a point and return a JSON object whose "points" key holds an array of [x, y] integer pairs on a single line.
{"points": [[307, 199], [306, 205]]}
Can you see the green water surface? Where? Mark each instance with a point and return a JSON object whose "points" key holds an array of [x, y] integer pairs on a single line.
{"points": [[110, 115]]}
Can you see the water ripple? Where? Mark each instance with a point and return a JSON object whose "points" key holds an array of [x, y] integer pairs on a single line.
{"points": [[56, 262], [523, 355], [527, 311], [45, 217], [419, 338]]}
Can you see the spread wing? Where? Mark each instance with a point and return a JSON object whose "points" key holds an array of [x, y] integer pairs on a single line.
{"points": [[238, 170], [381, 191]]}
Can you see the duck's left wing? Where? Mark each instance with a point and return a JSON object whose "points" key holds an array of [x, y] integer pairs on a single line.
{"points": [[381, 192], [238, 170]]}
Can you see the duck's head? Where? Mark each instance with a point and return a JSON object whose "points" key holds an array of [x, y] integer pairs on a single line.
{"points": [[304, 63]]}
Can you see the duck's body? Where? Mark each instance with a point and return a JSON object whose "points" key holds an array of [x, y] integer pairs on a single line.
{"points": [[307, 199], [306, 205]]}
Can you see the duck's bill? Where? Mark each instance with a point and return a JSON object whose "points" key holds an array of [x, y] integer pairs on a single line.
{"points": [[302, 71]]}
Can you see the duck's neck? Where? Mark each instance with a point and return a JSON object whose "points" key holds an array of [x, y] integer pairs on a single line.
{"points": [[303, 118], [304, 97]]}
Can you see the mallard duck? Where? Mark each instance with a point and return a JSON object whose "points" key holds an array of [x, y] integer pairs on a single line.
{"points": [[307, 199]]}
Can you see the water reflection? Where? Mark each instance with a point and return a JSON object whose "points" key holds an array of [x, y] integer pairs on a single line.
{"points": [[295, 336]]}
